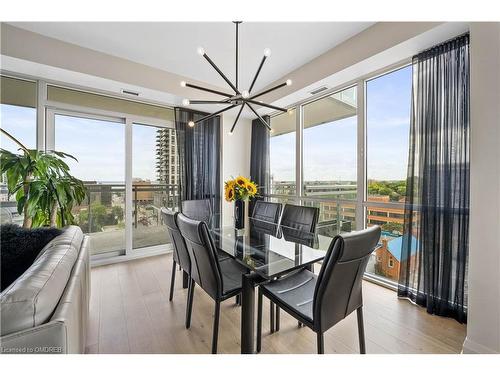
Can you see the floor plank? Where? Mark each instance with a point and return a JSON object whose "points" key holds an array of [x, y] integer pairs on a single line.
{"points": [[130, 313]]}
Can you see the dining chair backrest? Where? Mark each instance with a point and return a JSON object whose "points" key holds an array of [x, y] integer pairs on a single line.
{"points": [[198, 209], [267, 211], [300, 217], [181, 255], [205, 268], [338, 289]]}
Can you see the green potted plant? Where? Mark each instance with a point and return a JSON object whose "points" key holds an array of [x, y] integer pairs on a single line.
{"points": [[44, 189]]}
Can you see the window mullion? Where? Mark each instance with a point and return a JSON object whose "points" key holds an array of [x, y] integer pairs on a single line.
{"points": [[299, 183], [361, 161]]}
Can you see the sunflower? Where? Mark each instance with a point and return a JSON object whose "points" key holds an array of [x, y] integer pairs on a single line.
{"points": [[229, 192], [241, 181], [251, 188]]}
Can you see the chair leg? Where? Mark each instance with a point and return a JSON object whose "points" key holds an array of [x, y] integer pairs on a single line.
{"points": [[271, 316], [277, 320], [259, 322], [361, 330], [216, 328], [189, 307], [172, 282], [321, 343]]}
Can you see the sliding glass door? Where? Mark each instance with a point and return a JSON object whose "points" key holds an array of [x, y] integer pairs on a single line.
{"points": [[155, 175], [98, 144], [130, 170]]}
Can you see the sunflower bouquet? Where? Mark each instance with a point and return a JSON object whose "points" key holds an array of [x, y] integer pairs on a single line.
{"points": [[240, 188]]}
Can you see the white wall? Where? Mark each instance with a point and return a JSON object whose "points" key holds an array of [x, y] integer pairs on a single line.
{"points": [[235, 156], [483, 328]]}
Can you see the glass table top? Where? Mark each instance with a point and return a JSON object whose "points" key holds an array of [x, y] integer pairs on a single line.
{"points": [[271, 250]]}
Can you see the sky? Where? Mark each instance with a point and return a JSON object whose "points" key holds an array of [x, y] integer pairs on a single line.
{"points": [[330, 149]]}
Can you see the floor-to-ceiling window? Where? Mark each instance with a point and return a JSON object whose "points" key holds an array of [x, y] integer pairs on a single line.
{"points": [[155, 176], [127, 157], [282, 154], [330, 160], [388, 104], [282, 146], [352, 160], [99, 147], [18, 118]]}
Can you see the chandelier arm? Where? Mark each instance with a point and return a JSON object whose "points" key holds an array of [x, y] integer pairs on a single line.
{"points": [[257, 73], [259, 116], [207, 102], [207, 117], [209, 90], [220, 72], [237, 118], [266, 105], [268, 90]]}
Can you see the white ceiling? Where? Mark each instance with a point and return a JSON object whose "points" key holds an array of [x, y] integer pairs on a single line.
{"points": [[171, 46]]}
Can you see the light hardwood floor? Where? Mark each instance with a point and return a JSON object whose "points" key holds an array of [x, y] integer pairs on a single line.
{"points": [[130, 313]]}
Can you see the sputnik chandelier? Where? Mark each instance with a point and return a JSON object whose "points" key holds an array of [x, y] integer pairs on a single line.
{"points": [[240, 98]]}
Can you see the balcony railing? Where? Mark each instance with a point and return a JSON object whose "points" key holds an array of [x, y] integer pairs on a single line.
{"points": [[102, 215]]}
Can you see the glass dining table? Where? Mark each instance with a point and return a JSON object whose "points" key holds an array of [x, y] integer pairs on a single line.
{"points": [[268, 251]]}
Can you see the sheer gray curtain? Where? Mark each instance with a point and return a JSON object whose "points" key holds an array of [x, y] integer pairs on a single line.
{"points": [[259, 157], [199, 159], [433, 270]]}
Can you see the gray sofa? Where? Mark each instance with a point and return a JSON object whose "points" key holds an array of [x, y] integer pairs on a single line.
{"points": [[46, 309]]}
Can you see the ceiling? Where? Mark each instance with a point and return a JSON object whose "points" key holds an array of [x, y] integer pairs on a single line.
{"points": [[171, 46]]}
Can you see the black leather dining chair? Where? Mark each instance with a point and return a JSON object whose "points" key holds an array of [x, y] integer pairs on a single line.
{"points": [[220, 279], [180, 253], [300, 217], [201, 210], [265, 217], [321, 301], [267, 211], [198, 209], [303, 219]]}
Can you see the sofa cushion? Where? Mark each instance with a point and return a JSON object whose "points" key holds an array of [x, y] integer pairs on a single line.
{"points": [[20, 247], [33, 297]]}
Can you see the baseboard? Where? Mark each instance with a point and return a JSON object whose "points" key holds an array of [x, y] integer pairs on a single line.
{"points": [[472, 347]]}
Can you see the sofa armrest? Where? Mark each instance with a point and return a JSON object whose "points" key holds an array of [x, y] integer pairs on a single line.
{"points": [[44, 339]]}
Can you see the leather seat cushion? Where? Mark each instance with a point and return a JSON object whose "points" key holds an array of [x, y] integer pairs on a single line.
{"points": [[33, 297], [232, 273], [295, 292]]}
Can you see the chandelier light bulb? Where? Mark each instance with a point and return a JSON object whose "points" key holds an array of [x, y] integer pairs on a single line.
{"points": [[288, 82], [267, 52], [191, 123], [185, 102], [201, 51], [183, 83], [245, 94]]}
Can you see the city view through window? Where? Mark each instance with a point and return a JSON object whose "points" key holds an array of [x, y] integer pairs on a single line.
{"points": [[330, 162], [101, 165]]}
